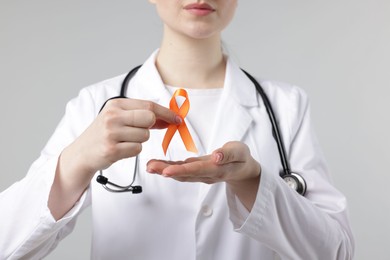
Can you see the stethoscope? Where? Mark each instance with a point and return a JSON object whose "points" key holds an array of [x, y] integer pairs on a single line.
{"points": [[293, 180]]}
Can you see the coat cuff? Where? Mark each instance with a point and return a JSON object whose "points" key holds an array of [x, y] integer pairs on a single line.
{"points": [[249, 222], [47, 232]]}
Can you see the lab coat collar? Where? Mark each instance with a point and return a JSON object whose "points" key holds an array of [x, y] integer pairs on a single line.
{"points": [[238, 86], [233, 118], [151, 87], [147, 83]]}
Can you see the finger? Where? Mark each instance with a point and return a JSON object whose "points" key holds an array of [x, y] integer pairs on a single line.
{"points": [[192, 169], [206, 180], [139, 118], [130, 134], [197, 171], [160, 124], [161, 113], [164, 114], [112, 116], [230, 152], [158, 166], [122, 150], [113, 120], [200, 158]]}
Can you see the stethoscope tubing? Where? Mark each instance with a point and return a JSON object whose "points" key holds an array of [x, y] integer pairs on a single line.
{"points": [[275, 126], [286, 172]]}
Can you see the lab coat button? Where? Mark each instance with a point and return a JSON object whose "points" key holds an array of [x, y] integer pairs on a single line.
{"points": [[207, 211]]}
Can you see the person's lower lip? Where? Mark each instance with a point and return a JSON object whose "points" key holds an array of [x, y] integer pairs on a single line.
{"points": [[199, 11]]}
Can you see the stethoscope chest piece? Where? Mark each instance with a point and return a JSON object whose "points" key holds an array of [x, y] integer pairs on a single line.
{"points": [[296, 182]]}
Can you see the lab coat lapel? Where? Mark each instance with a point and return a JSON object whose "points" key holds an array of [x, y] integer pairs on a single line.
{"points": [[148, 85], [233, 116]]}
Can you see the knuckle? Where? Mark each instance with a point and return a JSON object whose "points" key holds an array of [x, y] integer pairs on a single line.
{"points": [[147, 117], [229, 144], [108, 133], [149, 105], [132, 117], [141, 118], [113, 103], [229, 157], [109, 150], [109, 117], [151, 118], [137, 149]]}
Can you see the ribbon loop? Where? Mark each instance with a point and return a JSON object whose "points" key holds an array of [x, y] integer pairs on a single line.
{"points": [[182, 128]]}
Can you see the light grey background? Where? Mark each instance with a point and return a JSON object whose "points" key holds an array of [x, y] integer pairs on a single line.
{"points": [[337, 50]]}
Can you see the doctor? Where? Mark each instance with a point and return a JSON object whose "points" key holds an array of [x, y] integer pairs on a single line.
{"points": [[226, 202]]}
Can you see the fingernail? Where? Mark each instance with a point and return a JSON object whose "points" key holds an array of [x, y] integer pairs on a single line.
{"points": [[178, 120]]}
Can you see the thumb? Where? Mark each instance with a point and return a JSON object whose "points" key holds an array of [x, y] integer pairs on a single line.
{"points": [[230, 152]]}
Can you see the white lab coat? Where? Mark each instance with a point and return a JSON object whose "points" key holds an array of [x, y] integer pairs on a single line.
{"points": [[177, 221]]}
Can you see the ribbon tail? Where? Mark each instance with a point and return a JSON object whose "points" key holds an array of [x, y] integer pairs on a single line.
{"points": [[168, 137], [187, 139]]}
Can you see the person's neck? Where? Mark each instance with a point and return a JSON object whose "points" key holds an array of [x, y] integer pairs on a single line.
{"points": [[189, 63]]}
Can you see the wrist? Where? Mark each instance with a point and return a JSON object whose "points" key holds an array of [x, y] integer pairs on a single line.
{"points": [[73, 164], [69, 183], [251, 173], [242, 184], [246, 188]]}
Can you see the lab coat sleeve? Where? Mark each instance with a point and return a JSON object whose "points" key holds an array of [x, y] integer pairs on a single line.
{"points": [[28, 230], [315, 226]]}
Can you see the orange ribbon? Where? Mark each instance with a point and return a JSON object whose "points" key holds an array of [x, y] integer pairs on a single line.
{"points": [[183, 130]]}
